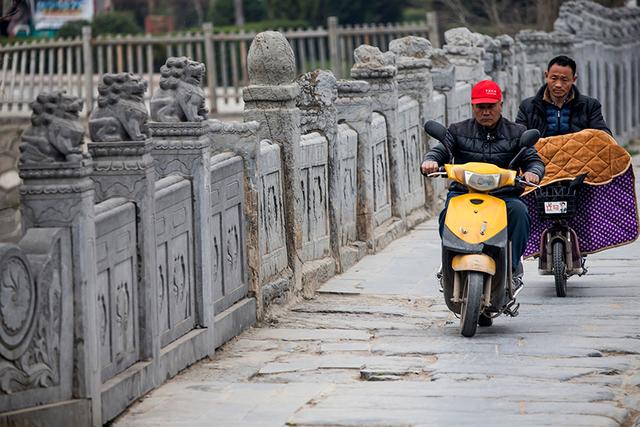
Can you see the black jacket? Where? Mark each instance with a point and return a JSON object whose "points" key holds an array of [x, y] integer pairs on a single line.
{"points": [[468, 141], [585, 113]]}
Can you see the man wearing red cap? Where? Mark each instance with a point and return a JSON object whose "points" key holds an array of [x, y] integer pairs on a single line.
{"points": [[490, 138]]}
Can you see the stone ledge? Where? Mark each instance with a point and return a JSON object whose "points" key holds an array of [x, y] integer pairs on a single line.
{"points": [[234, 320], [350, 255], [315, 273], [417, 216], [185, 351], [61, 414], [389, 231], [122, 390]]}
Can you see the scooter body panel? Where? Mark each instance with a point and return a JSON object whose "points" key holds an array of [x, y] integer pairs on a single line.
{"points": [[492, 243], [476, 217]]}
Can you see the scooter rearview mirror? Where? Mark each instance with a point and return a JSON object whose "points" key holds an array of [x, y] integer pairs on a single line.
{"points": [[529, 138], [435, 129]]}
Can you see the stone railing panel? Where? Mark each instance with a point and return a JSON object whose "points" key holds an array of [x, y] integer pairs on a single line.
{"points": [[175, 274], [117, 287], [380, 171], [36, 332], [273, 249], [314, 184], [413, 151], [459, 103], [347, 182], [229, 269], [438, 113]]}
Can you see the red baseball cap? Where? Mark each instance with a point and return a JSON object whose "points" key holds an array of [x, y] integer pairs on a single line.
{"points": [[486, 92]]}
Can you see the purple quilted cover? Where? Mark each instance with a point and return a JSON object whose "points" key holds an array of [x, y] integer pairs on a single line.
{"points": [[607, 216]]}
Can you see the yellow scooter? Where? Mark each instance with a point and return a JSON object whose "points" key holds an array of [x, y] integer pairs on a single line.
{"points": [[476, 254]]}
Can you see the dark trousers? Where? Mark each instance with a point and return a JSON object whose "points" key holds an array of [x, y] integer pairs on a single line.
{"points": [[518, 228]]}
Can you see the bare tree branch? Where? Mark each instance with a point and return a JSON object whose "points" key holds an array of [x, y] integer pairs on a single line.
{"points": [[460, 10]]}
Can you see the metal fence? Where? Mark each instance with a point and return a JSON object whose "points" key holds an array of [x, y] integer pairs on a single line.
{"points": [[75, 65]]}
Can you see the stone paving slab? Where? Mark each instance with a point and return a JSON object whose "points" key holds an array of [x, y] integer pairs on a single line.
{"points": [[378, 347]]}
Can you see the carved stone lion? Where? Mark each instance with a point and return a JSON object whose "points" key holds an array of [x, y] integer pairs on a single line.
{"points": [[180, 97], [121, 114], [56, 133]]}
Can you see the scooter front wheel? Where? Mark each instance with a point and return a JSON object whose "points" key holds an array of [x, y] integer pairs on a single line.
{"points": [[471, 300], [559, 269]]}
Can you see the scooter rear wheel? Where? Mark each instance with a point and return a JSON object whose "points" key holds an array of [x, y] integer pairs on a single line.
{"points": [[471, 300], [559, 269]]}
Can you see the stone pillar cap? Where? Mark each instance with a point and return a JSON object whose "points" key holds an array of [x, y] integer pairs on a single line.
{"points": [[270, 60]]}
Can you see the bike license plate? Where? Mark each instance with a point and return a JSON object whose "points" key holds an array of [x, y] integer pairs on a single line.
{"points": [[557, 207]]}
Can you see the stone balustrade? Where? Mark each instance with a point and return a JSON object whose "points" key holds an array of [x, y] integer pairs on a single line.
{"points": [[167, 237]]}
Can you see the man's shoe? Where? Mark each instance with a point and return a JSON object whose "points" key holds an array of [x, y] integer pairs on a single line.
{"points": [[439, 277], [516, 281]]}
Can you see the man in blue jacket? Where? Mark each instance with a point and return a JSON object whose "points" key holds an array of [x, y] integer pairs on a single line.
{"points": [[559, 108]]}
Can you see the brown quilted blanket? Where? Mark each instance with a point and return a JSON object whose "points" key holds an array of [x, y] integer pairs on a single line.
{"points": [[589, 151]]}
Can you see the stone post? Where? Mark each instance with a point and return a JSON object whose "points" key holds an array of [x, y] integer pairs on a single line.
{"points": [[465, 52], [318, 93], [181, 147], [334, 46], [354, 109], [415, 81], [87, 58], [271, 100], [210, 57], [123, 167], [57, 191], [507, 77], [532, 52], [434, 28], [413, 59], [444, 82], [379, 70]]}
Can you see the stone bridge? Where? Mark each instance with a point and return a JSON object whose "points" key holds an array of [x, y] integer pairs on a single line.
{"points": [[145, 251]]}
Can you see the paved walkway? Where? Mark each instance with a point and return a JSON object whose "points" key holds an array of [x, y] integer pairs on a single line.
{"points": [[377, 346]]}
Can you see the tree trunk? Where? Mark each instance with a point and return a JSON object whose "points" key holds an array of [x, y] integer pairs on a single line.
{"points": [[199, 11], [239, 12], [546, 14]]}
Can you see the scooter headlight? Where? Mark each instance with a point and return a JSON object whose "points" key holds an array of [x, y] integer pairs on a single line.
{"points": [[482, 181]]}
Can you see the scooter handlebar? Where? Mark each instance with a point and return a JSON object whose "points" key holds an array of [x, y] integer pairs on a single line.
{"points": [[521, 180], [440, 173]]}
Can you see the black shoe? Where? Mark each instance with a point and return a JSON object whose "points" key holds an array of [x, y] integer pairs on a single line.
{"points": [[439, 277], [516, 280], [484, 320]]}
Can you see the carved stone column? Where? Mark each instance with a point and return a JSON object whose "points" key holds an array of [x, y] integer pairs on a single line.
{"points": [[57, 191], [181, 147], [465, 51], [271, 100], [318, 93], [413, 59], [123, 167], [507, 77], [354, 109], [379, 70]]}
